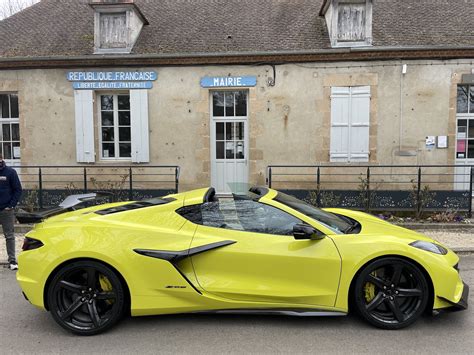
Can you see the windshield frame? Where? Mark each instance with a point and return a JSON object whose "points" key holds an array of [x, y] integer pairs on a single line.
{"points": [[327, 219]]}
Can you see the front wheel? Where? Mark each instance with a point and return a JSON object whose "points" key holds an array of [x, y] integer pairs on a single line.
{"points": [[86, 297], [391, 293]]}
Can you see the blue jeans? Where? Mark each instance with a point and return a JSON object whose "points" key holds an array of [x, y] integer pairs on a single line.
{"points": [[7, 221]]}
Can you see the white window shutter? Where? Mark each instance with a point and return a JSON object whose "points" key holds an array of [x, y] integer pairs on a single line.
{"points": [[139, 123], [360, 124], [84, 110], [340, 111]]}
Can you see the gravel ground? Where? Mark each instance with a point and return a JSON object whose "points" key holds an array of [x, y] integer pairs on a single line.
{"points": [[457, 239]]}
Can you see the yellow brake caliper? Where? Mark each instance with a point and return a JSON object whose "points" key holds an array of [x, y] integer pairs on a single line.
{"points": [[106, 286], [369, 290]]}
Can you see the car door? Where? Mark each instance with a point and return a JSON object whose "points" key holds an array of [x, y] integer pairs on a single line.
{"points": [[264, 263]]}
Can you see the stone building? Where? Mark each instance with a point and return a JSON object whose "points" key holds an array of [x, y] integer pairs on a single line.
{"points": [[225, 88]]}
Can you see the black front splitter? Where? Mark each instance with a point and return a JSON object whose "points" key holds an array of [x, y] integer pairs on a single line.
{"points": [[462, 304]]}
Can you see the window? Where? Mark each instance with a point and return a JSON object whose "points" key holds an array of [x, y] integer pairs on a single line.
{"points": [[349, 22], [9, 127], [117, 25], [350, 121], [351, 19], [465, 119], [113, 30], [229, 135], [115, 127], [242, 215]]}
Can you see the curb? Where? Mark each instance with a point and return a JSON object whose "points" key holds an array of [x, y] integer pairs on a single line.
{"points": [[438, 226]]}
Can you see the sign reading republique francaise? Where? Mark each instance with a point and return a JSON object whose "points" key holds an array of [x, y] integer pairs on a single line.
{"points": [[94, 80], [228, 81]]}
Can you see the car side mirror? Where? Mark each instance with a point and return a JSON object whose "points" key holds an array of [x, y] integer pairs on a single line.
{"points": [[305, 232]]}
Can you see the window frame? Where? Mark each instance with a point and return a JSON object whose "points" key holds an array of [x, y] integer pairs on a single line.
{"points": [[467, 116], [97, 30], [368, 24], [187, 209], [10, 121], [116, 125]]}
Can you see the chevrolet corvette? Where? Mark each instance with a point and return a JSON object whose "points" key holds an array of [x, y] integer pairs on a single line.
{"points": [[260, 252]]}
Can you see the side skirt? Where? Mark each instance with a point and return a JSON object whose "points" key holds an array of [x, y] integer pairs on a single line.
{"points": [[284, 312]]}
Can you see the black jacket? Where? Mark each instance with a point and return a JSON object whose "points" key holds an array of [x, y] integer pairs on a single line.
{"points": [[10, 187]]}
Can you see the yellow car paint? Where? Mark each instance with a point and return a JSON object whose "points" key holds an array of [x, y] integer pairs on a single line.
{"points": [[259, 271]]}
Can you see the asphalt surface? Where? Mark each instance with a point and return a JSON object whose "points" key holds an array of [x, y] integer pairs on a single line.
{"points": [[24, 329]]}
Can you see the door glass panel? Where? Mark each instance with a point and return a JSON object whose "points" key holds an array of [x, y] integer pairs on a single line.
{"points": [[471, 100], [220, 150], [240, 151], [470, 149], [462, 99], [240, 130], [471, 129], [229, 130], [461, 149], [241, 103], [229, 104], [229, 150], [218, 104], [220, 131], [248, 216]]}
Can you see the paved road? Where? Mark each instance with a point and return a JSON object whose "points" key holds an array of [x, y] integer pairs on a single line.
{"points": [[24, 329]]}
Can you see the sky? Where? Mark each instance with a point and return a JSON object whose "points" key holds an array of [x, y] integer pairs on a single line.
{"points": [[8, 7]]}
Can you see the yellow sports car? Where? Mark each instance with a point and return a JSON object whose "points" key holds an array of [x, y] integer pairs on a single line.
{"points": [[261, 252]]}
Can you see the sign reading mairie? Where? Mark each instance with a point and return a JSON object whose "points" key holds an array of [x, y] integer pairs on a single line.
{"points": [[95, 80], [228, 81]]}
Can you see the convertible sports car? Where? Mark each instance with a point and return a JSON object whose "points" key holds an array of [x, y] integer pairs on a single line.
{"points": [[262, 252]]}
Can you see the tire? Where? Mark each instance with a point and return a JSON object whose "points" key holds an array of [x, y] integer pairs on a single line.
{"points": [[391, 293], [86, 298]]}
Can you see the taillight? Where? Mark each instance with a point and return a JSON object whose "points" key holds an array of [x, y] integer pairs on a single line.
{"points": [[30, 244]]}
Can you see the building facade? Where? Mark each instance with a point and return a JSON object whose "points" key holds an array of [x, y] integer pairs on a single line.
{"points": [[226, 88]]}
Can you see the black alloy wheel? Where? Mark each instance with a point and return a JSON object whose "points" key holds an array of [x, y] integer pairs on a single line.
{"points": [[86, 298], [391, 293]]}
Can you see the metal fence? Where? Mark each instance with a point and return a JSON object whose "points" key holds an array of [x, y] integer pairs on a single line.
{"points": [[378, 187], [47, 186]]}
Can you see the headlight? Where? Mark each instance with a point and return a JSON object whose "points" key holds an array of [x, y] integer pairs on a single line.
{"points": [[432, 247]]}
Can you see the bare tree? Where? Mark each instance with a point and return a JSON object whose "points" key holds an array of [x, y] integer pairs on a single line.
{"points": [[9, 7]]}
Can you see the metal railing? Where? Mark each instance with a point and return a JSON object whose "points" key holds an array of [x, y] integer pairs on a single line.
{"points": [[47, 184], [450, 186]]}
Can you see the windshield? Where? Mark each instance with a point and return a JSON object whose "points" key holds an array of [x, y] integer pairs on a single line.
{"points": [[330, 220]]}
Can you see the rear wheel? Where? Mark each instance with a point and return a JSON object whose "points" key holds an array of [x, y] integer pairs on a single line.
{"points": [[391, 293], [86, 297]]}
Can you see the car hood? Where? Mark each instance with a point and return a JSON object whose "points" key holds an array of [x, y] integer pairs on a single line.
{"points": [[373, 225]]}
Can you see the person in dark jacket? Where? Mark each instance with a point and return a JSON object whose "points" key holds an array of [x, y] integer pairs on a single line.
{"points": [[10, 193]]}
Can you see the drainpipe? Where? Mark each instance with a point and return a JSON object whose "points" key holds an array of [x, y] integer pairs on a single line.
{"points": [[400, 138]]}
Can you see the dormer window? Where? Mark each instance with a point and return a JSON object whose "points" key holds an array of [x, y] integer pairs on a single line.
{"points": [[349, 22], [113, 30], [117, 25]]}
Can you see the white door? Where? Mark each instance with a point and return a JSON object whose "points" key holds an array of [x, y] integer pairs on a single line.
{"points": [[464, 137], [229, 140]]}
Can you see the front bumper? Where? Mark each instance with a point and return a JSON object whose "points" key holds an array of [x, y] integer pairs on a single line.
{"points": [[463, 302]]}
